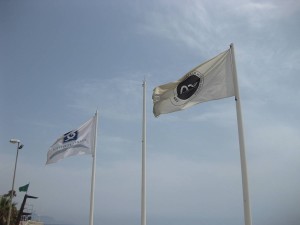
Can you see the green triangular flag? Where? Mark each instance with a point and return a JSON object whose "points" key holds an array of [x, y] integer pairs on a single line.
{"points": [[24, 188]]}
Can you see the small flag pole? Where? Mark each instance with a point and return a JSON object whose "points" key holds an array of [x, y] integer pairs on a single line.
{"points": [[247, 210], [143, 197], [27, 188], [93, 171]]}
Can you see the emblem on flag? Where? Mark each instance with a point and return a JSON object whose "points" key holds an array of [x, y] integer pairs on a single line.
{"points": [[70, 136], [188, 88]]}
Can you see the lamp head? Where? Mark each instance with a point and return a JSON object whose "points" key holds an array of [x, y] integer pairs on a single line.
{"points": [[14, 141], [21, 146]]}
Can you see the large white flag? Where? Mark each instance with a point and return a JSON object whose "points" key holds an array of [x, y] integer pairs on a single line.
{"points": [[211, 80], [76, 142]]}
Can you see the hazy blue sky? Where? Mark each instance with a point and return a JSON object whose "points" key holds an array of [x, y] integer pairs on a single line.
{"points": [[60, 60]]}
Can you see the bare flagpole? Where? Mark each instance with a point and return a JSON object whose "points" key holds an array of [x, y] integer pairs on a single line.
{"points": [[143, 197], [247, 210], [93, 171]]}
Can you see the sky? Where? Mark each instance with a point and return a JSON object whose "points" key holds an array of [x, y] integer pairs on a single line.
{"points": [[60, 61]]}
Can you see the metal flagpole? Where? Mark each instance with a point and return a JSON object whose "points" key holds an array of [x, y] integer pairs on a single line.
{"points": [[27, 188], [93, 171], [247, 210], [143, 197]]}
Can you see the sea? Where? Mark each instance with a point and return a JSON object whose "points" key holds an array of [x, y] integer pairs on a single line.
{"points": [[63, 224], [58, 224], [47, 223]]}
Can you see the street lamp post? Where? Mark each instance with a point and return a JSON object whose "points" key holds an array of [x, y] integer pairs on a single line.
{"points": [[19, 146]]}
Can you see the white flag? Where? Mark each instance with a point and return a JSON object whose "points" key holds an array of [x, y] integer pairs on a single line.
{"points": [[211, 80], [76, 142]]}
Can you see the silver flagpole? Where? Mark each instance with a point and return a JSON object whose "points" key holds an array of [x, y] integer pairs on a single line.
{"points": [[247, 210], [93, 172], [143, 197]]}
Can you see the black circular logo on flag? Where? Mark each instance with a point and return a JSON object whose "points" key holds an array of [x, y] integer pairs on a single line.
{"points": [[188, 88]]}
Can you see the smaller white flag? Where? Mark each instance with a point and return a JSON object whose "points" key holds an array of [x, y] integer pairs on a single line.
{"points": [[76, 142], [211, 80]]}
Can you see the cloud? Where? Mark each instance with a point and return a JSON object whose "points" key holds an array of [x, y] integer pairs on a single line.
{"points": [[175, 179], [116, 98], [259, 13], [193, 24]]}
